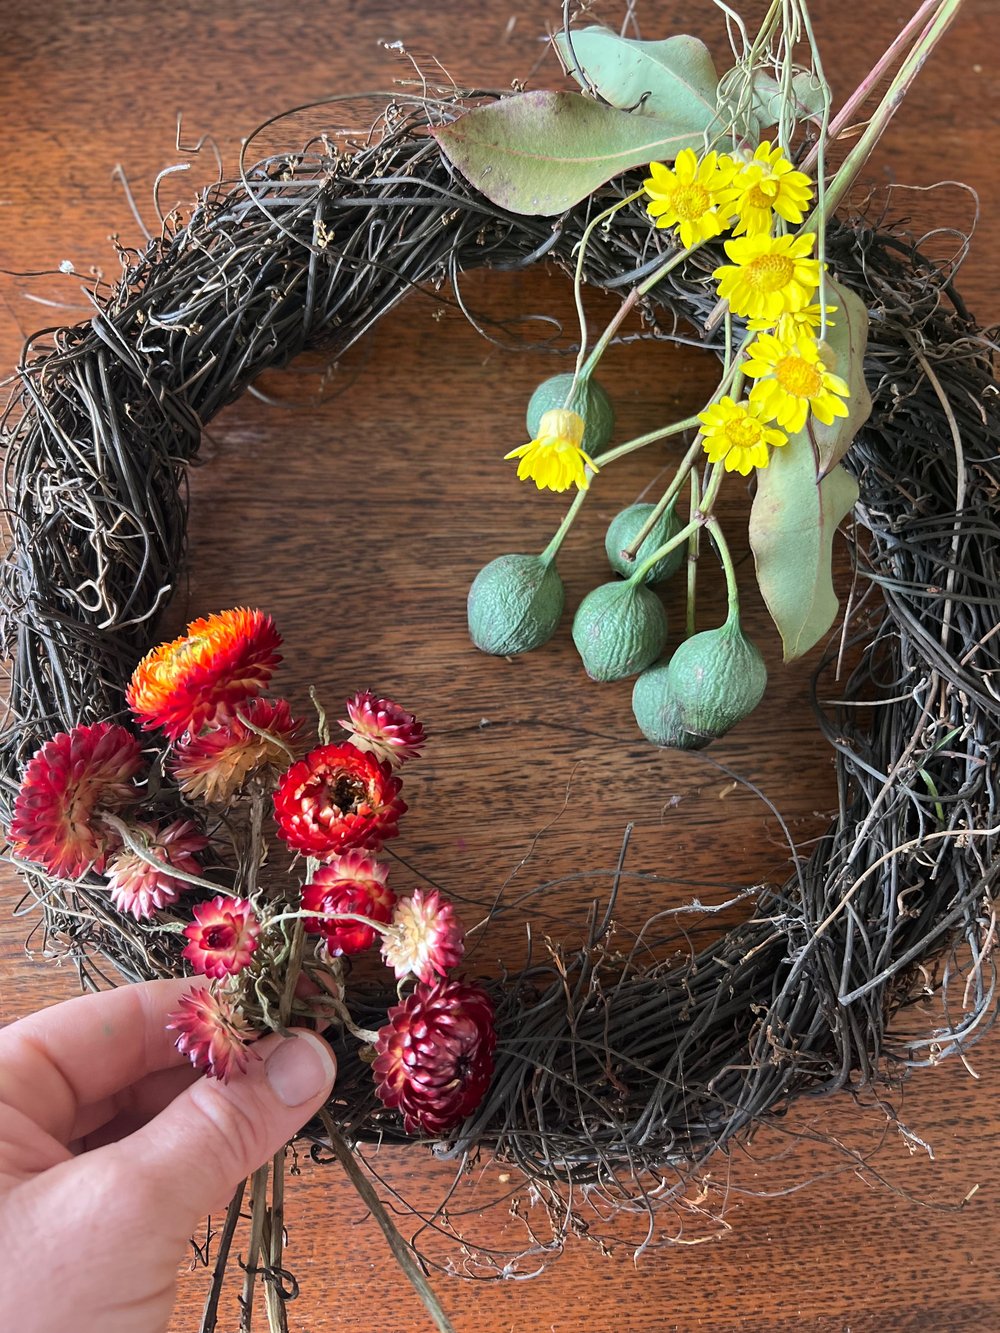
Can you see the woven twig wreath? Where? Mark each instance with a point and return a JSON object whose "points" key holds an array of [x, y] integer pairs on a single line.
{"points": [[312, 249]]}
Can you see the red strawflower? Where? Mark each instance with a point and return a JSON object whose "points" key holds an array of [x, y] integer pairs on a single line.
{"points": [[353, 883], [426, 938], [223, 937], [215, 764], [68, 782], [198, 679], [212, 1033], [136, 886], [382, 727], [434, 1058], [337, 798]]}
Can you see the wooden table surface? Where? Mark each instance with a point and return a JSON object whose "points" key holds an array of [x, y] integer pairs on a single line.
{"points": [[357, 505]]}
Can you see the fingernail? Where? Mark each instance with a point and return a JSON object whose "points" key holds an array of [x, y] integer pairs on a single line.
{"points": [[300, 1069]]}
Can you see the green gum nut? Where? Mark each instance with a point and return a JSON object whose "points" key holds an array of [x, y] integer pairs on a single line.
{"points": [[589, 401], [626, 526], [714, 680], [515, 604], [618, 629]]}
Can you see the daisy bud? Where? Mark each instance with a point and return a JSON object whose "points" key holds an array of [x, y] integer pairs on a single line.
{"points": [[222, 937], [69, 781], [434, 1058], [212, 1033], [139, 888], [355, 884], [383, 728], [425, 938]]}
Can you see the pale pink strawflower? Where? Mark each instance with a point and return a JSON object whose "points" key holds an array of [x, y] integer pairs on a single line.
{"points": [[383, 728], [139, 888], [222, 937], [425, 937], [212, 1033]]}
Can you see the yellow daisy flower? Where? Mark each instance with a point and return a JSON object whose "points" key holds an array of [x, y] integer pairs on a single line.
{"points": [[688, 196], [555, 461], [796, 324], [792, 380], [770, 275], [739, 435], [768, 184]]}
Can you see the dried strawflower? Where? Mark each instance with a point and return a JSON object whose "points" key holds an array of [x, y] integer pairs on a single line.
{"points": [[212, 1033], [425, 937], [139, 888], [69, 781], [337, 798], [198, 679], [215, 764], [434, 1057], [354, 883], [222, 937], [383, 728]]}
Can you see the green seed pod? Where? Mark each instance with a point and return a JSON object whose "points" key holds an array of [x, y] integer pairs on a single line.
{"points": [[714, 680], [515, 604], [658, 711], [589, 401], [626, 526], [618, 629]]}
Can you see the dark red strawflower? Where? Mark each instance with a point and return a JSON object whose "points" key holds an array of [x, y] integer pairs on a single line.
{"points": [[354, 883], [198, 679], [222, 937], [337, 798], [68, 782], [434, 1058]]}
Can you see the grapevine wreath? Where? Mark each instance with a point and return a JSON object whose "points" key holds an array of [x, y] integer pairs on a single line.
{"points": [[144, 782]]}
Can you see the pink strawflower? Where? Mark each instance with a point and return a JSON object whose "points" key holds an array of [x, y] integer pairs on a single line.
{"points": [[215, 764], [222, 937], [212, 1033], [353, 883], [434, 1057], [382, 727], [425, 937], [140, 888], [67, 784]]}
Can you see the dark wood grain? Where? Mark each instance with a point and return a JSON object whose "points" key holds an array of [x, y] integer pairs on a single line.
{"points": [[358, 506]]}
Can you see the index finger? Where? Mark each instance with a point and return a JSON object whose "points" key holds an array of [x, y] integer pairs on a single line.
{"points": [[55, 1062]]}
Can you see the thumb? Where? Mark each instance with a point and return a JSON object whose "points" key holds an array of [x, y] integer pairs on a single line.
{"points": [[193, 1155]]}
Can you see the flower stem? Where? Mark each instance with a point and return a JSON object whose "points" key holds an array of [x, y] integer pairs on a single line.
{"points": [[277, 1316], [578, 283], [210, 1313], [698, 521], [400, 1250], [694, 543], [860, 153], [258, 1213], [552, 550], [640, 441], [722, 546]]}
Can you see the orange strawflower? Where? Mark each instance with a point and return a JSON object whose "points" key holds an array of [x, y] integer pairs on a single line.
{"points": [[200, 678]]}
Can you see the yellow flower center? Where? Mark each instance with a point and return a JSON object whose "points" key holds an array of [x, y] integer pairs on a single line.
{"points": [[769, 273], [691, 202], [743, 433], [798, 376], [762, 195]]}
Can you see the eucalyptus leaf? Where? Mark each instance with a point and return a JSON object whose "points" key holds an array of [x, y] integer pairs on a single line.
{"points": [[674, 78], [540, 153], [792, 525], [846, 341]]}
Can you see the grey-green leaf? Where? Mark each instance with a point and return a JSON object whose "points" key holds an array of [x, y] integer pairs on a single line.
{"points": [[674, 78], [792, 525], [540, 153], [846, 342]]}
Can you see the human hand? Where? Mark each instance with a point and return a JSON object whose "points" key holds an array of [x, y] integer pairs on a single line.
{"points": [[112, 1149]]}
